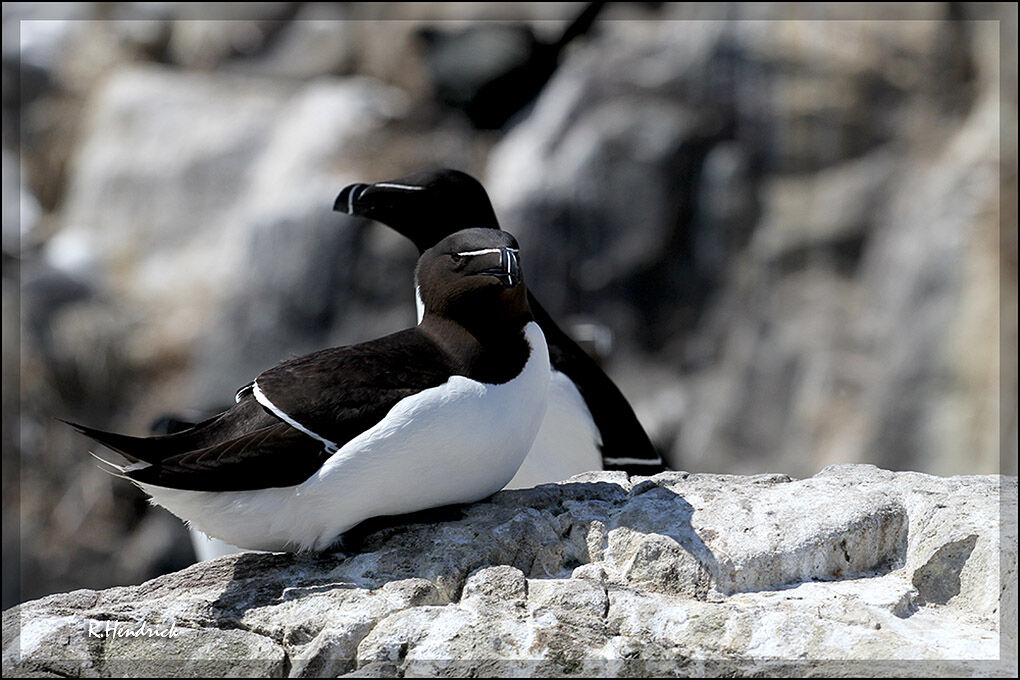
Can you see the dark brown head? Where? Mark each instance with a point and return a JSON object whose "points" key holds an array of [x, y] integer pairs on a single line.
{"points": [[473, 277]]}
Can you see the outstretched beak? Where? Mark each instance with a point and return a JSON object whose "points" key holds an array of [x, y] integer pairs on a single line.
{"points": [[402, 207], [377, 200]]}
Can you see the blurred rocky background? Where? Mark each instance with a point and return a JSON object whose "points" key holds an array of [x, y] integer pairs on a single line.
{"points": [[796, 224]]}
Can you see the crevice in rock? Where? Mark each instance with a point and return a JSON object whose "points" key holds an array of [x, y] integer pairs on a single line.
{"points": [[43, 668], [254, 631], [356, 660], [287, 663], [846, 553], [938, 580]]}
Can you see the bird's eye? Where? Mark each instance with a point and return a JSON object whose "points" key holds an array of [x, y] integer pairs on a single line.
{"points": [[456, 258]]}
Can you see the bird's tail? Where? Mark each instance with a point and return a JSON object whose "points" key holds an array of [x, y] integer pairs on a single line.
{"points": [[244, 417], [133, 448]]}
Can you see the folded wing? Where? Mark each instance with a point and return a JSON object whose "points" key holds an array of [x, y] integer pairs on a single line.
{"points": [[299, 412], [336, 394]]}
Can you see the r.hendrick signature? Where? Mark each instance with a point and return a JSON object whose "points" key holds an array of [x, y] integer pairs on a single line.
{"points": [[119, 629]]}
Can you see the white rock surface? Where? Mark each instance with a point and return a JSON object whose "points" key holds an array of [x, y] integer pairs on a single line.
{"points": [[856, 571]]}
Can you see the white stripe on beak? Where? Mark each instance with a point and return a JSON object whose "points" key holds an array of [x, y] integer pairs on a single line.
{"points": [[471, 253], [391, 185]]}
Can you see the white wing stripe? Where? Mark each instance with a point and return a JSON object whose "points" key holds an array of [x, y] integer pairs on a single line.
{"points": [[240, 392], [331, 447], [632, 461]]}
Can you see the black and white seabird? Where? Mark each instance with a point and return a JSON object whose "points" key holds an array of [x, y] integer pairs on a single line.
{"points": [[589, 424], [438, 414]]}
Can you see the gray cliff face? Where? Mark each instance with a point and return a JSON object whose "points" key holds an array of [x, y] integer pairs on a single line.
{"points": [[856, 570]]}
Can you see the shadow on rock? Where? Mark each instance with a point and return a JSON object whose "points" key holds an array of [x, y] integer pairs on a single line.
{"points": [[641, 537]]}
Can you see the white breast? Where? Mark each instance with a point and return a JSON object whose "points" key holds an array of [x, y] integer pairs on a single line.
{"points": [[455, 443], [568, 441]]}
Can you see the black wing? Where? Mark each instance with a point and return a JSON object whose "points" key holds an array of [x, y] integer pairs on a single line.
{"points": [[245, 416], [240, 449], [277, 455], [339, 393], [334, 394]]}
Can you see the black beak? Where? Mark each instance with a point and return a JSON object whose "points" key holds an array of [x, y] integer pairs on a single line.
{"points": [[509, 269], [347, 201]]}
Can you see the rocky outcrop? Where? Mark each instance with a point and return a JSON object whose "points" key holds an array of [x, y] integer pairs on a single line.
{"points": [[678, 573]]}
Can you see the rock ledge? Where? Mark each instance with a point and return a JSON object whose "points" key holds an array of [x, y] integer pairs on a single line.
{"points": [[856, 570]]}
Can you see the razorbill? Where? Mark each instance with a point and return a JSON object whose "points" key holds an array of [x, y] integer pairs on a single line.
{"points": [[588, 425], [438, 414]]}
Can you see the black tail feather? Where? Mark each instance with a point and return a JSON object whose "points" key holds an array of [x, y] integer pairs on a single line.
{"points": [[243, 418], [127, 446], [146, 449]]}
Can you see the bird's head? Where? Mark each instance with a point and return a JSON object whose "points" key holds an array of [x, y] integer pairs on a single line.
{"points": [[425, 207], [474, 277]]}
